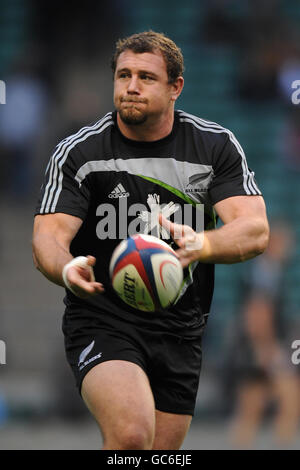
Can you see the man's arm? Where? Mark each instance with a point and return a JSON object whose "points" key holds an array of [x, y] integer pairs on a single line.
{"points": [[52, 236], [244, 235]]}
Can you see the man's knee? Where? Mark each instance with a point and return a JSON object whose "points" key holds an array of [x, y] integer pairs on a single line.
{"points": [[124, 409], [131, 436]]}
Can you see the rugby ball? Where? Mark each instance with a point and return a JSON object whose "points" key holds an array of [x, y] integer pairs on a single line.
{"points": [[146, 273]]}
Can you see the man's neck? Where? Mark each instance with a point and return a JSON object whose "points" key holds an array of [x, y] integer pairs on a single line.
{"points": [[147, 132]]}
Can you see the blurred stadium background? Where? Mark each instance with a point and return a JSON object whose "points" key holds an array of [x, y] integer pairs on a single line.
{"points": [[241, 58]]}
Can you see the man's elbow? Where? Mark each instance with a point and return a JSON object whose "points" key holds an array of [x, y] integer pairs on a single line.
{"points": [[35, 262], [258, 245], [34, 258], [262, 240], [34, 246]]}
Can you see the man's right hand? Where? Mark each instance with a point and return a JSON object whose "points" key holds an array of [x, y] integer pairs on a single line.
{"points": [[80, 279], [52, 236]]}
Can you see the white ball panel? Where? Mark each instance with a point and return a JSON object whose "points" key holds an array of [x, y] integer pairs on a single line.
{"points": [[168, 276], [131, 288]]}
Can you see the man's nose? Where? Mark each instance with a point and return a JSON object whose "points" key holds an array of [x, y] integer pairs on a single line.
{"points": [[133, 85]]}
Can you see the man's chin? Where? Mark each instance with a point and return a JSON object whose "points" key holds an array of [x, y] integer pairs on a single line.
{"points": [[132, 118]]}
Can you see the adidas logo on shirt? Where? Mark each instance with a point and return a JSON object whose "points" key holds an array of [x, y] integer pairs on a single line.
{"points": [[119, 191]]}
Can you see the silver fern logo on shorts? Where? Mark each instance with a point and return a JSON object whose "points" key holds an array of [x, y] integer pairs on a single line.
{"points": [[82, 362], [85, 352]]}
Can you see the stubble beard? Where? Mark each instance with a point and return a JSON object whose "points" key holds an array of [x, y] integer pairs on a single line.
{"points": [[132, 116]]}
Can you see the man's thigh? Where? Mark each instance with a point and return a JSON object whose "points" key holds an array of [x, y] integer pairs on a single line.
{"points": [[119, 396]]}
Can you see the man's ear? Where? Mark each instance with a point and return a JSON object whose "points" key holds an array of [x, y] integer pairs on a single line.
{"points": [[177, 87]]}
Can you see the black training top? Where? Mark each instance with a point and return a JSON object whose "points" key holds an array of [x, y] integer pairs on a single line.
{"points": [[111, 182]]}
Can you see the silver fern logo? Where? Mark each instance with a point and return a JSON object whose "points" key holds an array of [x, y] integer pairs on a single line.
{"points": [[199, 183], [85, 352], [82, 362]]}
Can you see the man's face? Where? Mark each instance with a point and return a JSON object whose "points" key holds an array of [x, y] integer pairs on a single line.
{"points": [[141, 88]]}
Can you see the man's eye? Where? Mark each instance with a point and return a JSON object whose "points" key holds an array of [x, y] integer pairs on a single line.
{"points": [[147, 77], [123, 75]]}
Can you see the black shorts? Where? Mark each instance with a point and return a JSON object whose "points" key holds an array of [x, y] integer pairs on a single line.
{"points": [[171, 362]]}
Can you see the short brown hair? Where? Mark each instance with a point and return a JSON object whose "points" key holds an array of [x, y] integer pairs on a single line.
{"points": [[148, 41]]}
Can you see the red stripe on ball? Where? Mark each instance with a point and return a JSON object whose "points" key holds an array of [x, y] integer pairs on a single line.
{"points": [[143, 244], [135, 259], [161, 267]]}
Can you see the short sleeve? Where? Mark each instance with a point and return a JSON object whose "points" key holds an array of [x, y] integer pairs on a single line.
{"points": [[60, 191], [232, 176]]}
